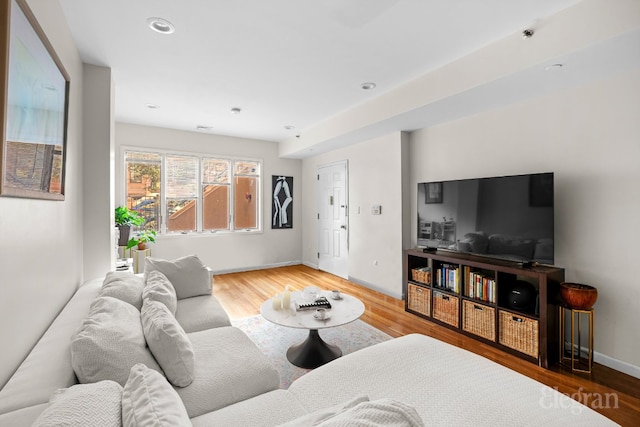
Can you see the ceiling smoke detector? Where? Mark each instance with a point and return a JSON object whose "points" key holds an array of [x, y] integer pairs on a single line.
{"points": [[236, 110], [528, 33], [368, 86], [161, 25]]}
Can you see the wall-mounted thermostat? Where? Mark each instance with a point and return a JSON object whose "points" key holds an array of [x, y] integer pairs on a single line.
{"points": [[376, 209]]}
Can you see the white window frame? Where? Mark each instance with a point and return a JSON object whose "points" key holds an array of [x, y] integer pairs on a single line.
{"points": [[200, 200]]}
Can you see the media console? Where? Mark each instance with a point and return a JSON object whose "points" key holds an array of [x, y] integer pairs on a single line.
{"points": [[484, 298]]}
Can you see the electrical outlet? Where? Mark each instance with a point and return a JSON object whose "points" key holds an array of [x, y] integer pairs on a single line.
{"points": [[376, 210]]}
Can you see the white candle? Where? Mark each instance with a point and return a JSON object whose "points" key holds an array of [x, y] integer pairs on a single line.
{"points": [[277, 302], [286, 299]]}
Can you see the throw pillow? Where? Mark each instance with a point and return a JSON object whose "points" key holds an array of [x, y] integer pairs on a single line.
{"points": [[97, 404], [316, 417], [149, 400], [188, 275], [123, 286], [158, 288], [168, 342], [109, 342]]}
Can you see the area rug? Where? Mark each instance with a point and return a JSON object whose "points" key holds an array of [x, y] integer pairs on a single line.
{"points": [[274, 340]]}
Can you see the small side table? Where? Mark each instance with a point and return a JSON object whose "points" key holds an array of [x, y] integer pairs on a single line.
{"points": [[138, 259], [577, 362]]}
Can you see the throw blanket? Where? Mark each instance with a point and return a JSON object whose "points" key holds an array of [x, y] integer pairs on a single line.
{"points": [[360, 412]]}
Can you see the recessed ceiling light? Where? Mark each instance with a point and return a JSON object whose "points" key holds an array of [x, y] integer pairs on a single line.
{"points": [[236, 110], [289, 127], [152, 106], [553, 67], [368, 86], [161, 25]]}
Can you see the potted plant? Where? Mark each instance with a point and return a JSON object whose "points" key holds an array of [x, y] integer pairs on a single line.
{"points": [[125, 218], [141, 239]]}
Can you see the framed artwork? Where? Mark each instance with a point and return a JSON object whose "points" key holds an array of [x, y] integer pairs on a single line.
{"points": [[34, 103], [433, 192], [282, 205]]}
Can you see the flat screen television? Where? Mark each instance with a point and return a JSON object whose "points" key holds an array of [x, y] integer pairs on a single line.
{"points": [[506, 217]]}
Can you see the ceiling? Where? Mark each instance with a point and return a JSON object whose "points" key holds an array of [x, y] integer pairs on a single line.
{"points": [[282, 62]]}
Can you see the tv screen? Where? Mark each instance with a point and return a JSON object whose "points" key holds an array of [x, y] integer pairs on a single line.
{"points": [[507, 217]]}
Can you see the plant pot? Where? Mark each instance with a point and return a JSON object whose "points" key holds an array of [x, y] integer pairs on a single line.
{"points": [[125, 233], [578, 296], [142, 246]]}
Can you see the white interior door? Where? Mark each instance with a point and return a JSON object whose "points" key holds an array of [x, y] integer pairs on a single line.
{"points": [[333, 230]]}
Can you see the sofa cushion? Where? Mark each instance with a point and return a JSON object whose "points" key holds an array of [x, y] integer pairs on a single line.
{"points": [[158, 288], [188, 275], [200, 313], [88, 405], [109, 342], [229, 368], [149, 400], [267, 409], [23, 417], [35, 380], [168, 343], [124, 286]]}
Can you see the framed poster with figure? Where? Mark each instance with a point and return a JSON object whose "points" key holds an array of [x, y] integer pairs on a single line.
{"points": [[34, 103], [282, 205]]}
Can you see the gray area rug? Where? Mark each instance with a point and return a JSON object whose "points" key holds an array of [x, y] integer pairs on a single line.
{"points": [[274, 340]]}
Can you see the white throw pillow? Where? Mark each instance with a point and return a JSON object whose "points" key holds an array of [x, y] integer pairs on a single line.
{"points": [[88, 405], [109, 342], [124, 286], [149, 400], [158, 288], [188, 275], [168, 342]]}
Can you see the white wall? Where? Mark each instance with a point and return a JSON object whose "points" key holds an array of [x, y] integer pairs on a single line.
{"points": [[230, 251], [41, 241], [98, 177], [375, 178], [588, 136]]}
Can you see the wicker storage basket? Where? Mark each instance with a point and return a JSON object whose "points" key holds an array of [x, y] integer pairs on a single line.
{"points": [[479, 319], [446, 308], [419, 299], [422, 275], [519, 333]]}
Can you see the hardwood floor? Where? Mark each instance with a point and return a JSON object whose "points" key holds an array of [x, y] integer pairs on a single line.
{"points": [[609, 392]]}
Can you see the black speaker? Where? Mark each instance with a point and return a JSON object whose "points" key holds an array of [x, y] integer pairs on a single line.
{"points": [[522, 295]]}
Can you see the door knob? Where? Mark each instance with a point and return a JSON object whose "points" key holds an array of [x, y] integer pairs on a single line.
{"points": [[344, 227]]}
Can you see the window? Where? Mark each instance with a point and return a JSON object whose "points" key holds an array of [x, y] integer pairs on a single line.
{"points": [[143, 186], [194, 193]]}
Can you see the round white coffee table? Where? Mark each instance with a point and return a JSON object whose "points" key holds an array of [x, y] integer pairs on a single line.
{"points": [[313, 351]]}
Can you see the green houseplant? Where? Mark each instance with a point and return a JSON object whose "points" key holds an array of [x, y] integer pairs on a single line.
{"points": [[141, 239], [124, 219]]}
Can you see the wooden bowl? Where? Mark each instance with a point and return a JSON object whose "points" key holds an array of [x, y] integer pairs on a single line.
{"points": [[578, 296]]}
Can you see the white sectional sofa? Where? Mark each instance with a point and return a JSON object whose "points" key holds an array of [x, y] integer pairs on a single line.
{"points": [[234, 385]]}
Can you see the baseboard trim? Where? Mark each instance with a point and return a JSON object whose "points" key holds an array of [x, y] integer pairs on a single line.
{"points": [[255, 267], [609, 362], [618, 365], [374, 287]]}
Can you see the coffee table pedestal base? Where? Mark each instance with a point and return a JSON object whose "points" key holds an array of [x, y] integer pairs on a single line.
{"points": [[312, 352]]}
